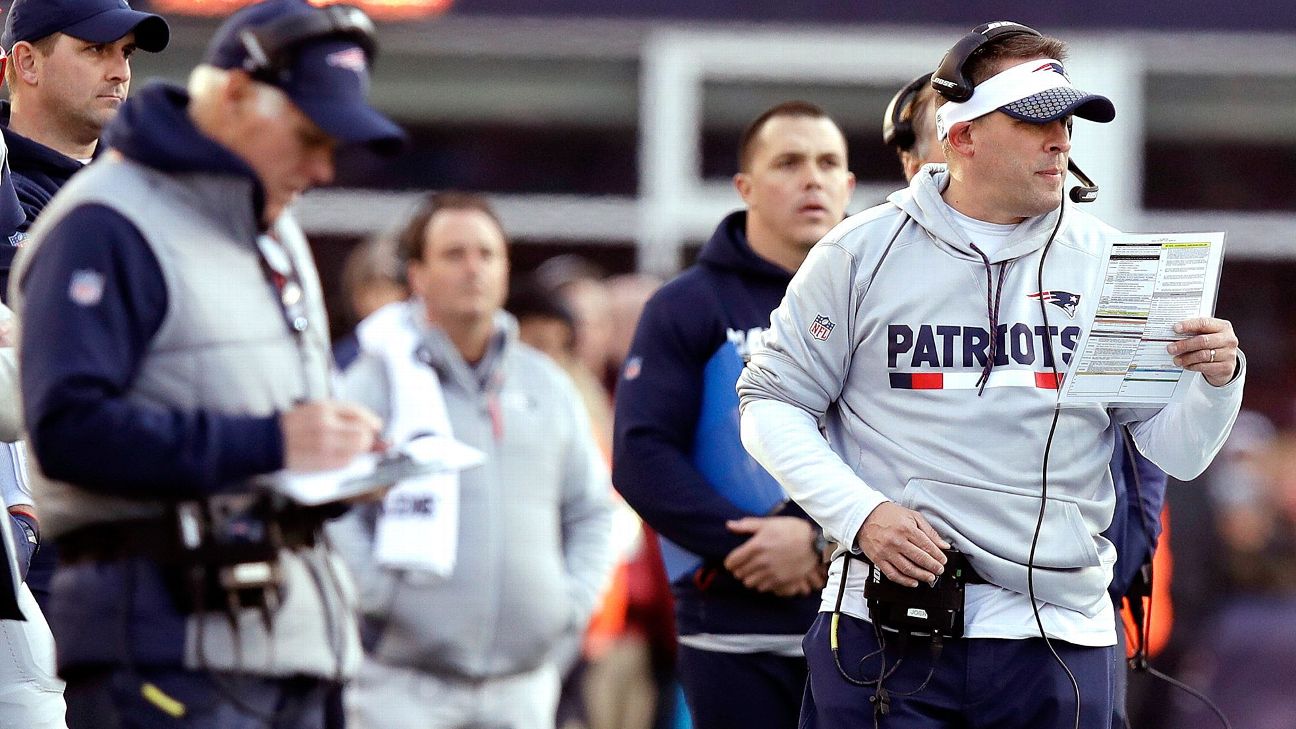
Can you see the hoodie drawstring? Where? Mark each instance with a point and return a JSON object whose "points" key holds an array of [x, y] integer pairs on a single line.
{"points": [[994, 294]]}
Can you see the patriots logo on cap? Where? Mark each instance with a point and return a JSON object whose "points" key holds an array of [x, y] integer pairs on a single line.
{"points": [[821, 328], [1055, 68], [1064, 300], [352, 59]]}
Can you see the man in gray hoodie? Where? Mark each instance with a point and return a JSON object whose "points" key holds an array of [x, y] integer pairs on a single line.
{"points": [[482, 643], [917, 334], [910, 126]]}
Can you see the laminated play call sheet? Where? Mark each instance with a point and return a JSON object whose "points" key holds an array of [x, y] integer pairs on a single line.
{"points": [[1149, 282]]}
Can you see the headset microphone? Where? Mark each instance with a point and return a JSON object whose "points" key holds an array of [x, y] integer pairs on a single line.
{"points": [[1087, 190]]}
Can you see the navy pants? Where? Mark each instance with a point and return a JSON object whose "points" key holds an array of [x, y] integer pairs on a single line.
{"points": [[977, 684], [153, 698], [741, 690]]}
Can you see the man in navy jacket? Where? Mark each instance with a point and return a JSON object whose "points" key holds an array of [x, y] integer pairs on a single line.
{"points": [[68, 71], [743, 561]]}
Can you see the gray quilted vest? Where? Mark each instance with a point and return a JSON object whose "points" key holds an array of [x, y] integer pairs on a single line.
{"points": [[223, 346]]}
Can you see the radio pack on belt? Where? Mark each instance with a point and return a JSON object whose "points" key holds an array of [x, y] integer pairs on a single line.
{"points": [[231, 555], [925, 610]]}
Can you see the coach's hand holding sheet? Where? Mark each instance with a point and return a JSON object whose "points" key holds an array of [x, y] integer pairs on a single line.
{"points": [[1147, 322]]}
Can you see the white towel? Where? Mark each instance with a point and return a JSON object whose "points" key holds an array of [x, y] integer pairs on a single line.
{"points": [[419, 526]]}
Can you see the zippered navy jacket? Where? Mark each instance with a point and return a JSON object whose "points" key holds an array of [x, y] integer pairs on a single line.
{"points": [[677, 457], [32, 175], [1136, 520], [38, 172]]}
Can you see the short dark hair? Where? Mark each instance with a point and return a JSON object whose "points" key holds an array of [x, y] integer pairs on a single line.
{"points": [[747, 142], [409, 244], [986, 61]]}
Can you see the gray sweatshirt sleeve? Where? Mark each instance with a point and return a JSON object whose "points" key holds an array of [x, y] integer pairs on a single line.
{"points": [[14, 485], [13, 477], [790, 382], [1183, 437], [806, 352], [786, 441]]}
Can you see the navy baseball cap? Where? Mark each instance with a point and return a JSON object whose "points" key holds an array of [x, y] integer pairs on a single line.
{"points": [[325, 74], [97, 21]]}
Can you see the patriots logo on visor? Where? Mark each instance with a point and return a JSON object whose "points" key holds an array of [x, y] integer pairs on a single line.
{"points": [[1055, 68], [1064, 300]]}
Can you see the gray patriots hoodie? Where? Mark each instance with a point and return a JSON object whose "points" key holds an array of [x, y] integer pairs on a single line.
{"points": [[884, 341]]}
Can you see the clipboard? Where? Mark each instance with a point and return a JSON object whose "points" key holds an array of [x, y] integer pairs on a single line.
{"points": [[371, 473]]}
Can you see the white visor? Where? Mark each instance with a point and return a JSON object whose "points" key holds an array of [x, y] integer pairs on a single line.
{"points": [[1037, 91]]}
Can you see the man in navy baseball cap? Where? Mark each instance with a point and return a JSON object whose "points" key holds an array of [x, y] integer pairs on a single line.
{"points": [[319, 57], [182, 233], [99, 21], [61, 95]]}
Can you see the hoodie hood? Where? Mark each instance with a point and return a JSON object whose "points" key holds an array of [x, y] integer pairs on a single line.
{"points": [[441, 354], [153, 128], [729, 250], [922, 201]]}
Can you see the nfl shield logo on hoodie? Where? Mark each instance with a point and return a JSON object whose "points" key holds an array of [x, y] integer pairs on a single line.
{"points": [[821, 328]]}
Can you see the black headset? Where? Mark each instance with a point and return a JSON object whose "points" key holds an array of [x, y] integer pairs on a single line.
{"points": [[272, 48], [898, 121], [951, 81]]}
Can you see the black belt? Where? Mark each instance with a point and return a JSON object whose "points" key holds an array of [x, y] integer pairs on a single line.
{"points": [[158, 539]]}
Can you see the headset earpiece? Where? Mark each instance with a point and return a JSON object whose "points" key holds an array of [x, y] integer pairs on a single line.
{"points": [[897, 126], [950, 79]]}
